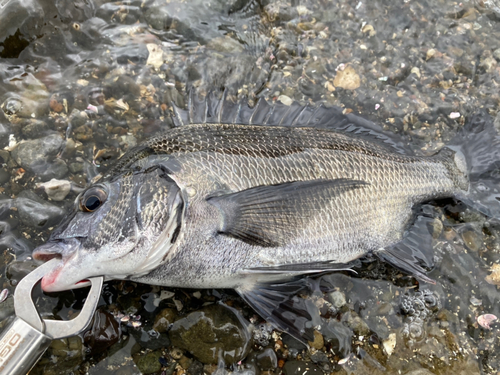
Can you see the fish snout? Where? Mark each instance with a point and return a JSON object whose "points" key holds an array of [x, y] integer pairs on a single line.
{"points": [[55, 249]]}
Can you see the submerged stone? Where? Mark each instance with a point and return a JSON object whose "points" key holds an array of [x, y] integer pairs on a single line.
{"points": [[38, 214], [212, 330], [30, 153]]}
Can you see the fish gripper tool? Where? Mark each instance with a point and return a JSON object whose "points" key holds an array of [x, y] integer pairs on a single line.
{"points": [[26, 338]]}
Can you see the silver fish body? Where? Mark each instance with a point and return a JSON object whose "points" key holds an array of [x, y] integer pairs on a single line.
{"points": [[367, 206], [233, 198]]}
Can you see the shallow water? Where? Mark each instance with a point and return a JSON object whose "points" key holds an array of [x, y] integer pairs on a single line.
{"points": [[81, 81]]}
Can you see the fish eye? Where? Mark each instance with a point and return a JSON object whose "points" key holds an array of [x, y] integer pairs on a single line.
{"points": [[92, 199]]}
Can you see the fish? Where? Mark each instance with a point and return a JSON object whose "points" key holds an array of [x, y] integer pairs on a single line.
{"points": [[255, 198]]}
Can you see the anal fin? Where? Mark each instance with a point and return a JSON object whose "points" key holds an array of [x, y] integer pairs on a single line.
{"points": [[407, 255], [279, 305]]}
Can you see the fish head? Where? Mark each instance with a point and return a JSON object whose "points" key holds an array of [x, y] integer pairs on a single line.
{"points": [[120, 228]]}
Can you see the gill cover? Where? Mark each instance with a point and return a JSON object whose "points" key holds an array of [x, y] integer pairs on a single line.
{"points": [[121, 227]]}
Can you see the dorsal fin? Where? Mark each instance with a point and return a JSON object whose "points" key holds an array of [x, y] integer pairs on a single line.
{"points": [[212, 110]]}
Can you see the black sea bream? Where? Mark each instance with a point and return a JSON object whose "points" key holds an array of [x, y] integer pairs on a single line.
{"points": [[246, 198]]}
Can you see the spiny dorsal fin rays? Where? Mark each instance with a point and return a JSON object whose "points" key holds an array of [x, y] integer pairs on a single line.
{"points": [[212, 110]]}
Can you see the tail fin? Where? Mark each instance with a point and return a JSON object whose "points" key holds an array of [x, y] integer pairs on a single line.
{"points": [[479, 142]]}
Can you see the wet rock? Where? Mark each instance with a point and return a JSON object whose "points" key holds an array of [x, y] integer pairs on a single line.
{"points": [[129, 303], [24, 18], [211, 330], [76, 167], [5, 131], [357, 324], [48, 170], [31, 153], [61, 355], [437, 228], [337, 299], [266, 360], [195, 368], [104, 332], [225, 44], [319, 357], [185, 362], [4, 176], [292, 342], [56, 190], [347, 78], [158, 17], [318, 341], [494, 276], [37, 213], [11, 241], [149, 339], [473, 239], [389, 344], [149, 363], [17, 270], [83, 133], [280, 11], [124, 85], [34, 128], [164, 319], [301, 368]]}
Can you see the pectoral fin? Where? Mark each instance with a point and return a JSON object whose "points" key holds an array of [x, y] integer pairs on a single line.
{"points": [[271, 215]]}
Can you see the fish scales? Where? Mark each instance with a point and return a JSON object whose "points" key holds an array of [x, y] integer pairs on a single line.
{"points": [[208, 159], [251, 206]]}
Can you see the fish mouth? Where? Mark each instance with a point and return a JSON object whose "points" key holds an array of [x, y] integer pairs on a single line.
{"points": [[59, 279]]}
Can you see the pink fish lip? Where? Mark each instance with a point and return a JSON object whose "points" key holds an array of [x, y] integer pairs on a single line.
{"points": [[52, 282]]}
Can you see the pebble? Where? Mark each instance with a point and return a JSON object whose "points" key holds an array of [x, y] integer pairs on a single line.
{"points": [[390, 344], [17, 270], [225, 45], [56, 190], [347, 78], [37, 213], [149, 363], [286, 100], [486, 319], [48, 170], [475, 301], [494, 276], [4, 176], [33, 128], [30, 153], [357, 324], [318, 342], [164, 319], [337, 298], [212, 329], [266, 360]]}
